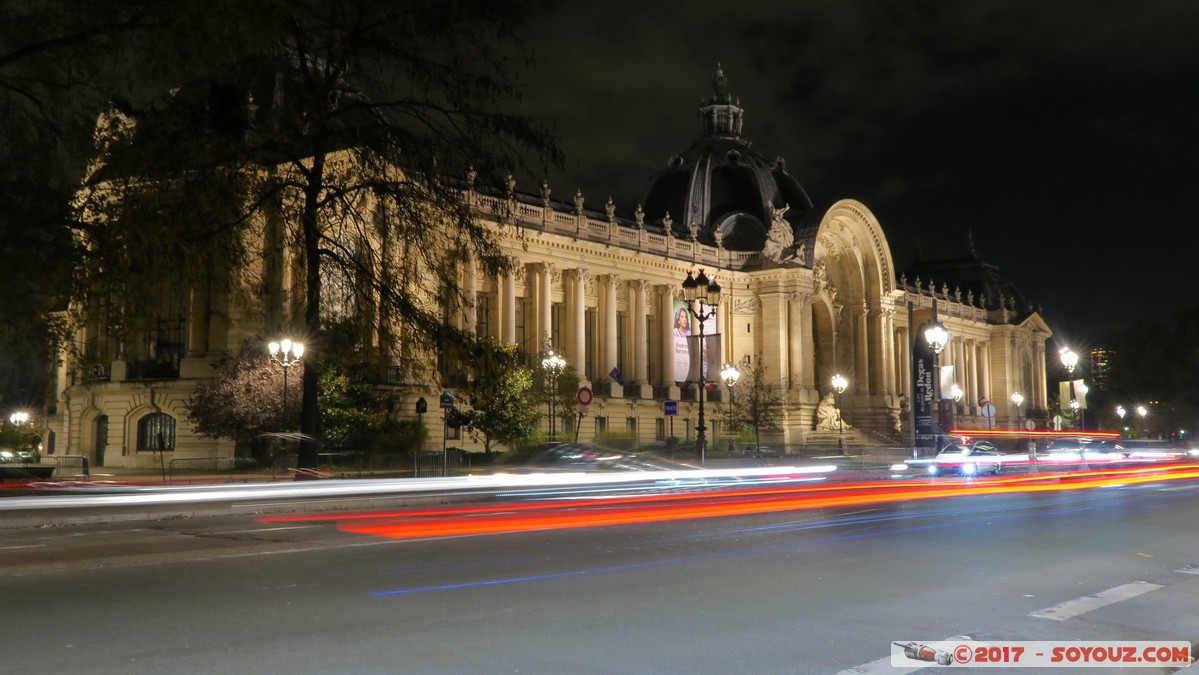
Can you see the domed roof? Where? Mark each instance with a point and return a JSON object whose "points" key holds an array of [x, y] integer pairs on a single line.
{"points": [[979, 282], [721, 184]]}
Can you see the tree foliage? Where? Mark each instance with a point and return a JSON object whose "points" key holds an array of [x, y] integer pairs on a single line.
{"points": [[356, 123], [499, 407], [245, 398], [754, 401]]}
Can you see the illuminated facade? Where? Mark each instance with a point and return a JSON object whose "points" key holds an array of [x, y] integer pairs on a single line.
{"points": [[808, 292]]}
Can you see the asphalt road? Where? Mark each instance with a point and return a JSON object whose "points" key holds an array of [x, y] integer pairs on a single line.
{"points": [[800, 591]]}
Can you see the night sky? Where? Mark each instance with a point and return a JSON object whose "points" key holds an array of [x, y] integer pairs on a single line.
{"points": [[1061, 135]]}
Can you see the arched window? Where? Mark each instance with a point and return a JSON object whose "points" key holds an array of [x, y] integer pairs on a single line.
{"points": [[156, 431]]}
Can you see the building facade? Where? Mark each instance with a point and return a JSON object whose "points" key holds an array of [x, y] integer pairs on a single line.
{"points": [[806, 292]]}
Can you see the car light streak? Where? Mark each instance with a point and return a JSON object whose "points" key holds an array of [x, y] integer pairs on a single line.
{"points": [[637, 509]]}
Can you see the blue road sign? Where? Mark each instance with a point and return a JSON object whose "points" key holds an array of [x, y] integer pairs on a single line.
{"points": [[670, 408], [447, 399]]}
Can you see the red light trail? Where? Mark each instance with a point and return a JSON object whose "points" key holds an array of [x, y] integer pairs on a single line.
{"points": [[599, 512]]}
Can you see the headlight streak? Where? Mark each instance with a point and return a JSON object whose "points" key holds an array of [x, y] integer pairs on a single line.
{"points": [[635, 509]]}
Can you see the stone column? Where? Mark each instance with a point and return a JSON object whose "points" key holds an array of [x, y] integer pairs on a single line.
{"points": [[472, 299], [903, 347], [807, 357], [862, 352], [666, 340], [545, 314], [578, 321], [984, 369], [609, 360], [887, 344], [795, 340], [972, 371], [642, 387], [508, 302]]}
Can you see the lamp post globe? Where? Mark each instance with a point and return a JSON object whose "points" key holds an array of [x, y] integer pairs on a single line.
{"points": [[1069, 359], [554, 366], [700, 291], [840, 384], [730, 374]]}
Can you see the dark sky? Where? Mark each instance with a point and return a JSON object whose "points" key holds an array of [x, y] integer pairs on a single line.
{"points": [[1061, 134]]}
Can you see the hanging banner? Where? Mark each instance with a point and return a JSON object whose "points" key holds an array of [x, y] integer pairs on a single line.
{"points": [[923, 390], [1079, 395], [682, 335]]}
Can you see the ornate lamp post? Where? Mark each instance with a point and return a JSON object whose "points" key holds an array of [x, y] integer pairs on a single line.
{"points": [[286, 354], [553, 365], [730, 374], [19, 417], [1121, 412], [1142, 411], [937, 337], [698, 290], [839, 386]]}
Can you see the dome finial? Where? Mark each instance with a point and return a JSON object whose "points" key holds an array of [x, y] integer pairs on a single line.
{"points": [[720, 115]]}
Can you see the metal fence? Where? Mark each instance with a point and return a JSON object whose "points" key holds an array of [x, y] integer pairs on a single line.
{"points": [[214, 470], [74, 467]]}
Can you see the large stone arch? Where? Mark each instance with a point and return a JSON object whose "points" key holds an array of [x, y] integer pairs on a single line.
{"points": [[852, 271]]}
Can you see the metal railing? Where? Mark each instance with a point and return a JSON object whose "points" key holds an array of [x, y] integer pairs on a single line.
{"points": [[213, 470]]}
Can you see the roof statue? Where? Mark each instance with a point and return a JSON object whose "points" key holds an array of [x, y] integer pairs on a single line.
{"points": [[780, 241]]}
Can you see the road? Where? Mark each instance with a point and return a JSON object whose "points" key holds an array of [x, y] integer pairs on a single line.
{"points": [[782, 587]]}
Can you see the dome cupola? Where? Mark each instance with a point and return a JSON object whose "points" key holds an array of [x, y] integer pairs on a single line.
{"points": [[720, 184]]}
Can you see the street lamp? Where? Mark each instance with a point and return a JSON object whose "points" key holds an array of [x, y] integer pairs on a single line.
{"points": [[1018, 399], [698, 290], [287, 354], [1069, 359], [839, 385], [553, 365], [19, 417], [730, 374], [937, 337], [1142, 411]]}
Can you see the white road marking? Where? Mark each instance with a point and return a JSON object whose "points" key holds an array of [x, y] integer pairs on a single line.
{"points": [[1077, 606], [264, 529], [1189, 569], [11, 548]]}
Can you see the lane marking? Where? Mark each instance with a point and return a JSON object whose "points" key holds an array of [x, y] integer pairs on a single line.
{"points": [[262, 529], [13, 548], [1087, 603], [1189, 569]]}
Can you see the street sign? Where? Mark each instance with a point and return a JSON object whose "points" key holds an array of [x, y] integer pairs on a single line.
{"points": [[447, 399], [422, 406], [670, 408], [584, 396], [1030, 425], [583, 410], [988, 410]]}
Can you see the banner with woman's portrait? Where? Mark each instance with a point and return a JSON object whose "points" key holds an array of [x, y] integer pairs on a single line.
{"points": [[686, 345]]}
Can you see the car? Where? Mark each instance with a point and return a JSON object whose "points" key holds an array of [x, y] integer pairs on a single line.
{"points": [[8, 456], [967, 459]]}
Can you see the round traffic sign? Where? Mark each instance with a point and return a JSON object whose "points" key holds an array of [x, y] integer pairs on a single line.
{"points": [[1030, 425], [584, 396], [988, 410]]}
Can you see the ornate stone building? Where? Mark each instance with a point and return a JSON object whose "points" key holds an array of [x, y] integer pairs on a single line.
{"points": [[810, 293]]}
